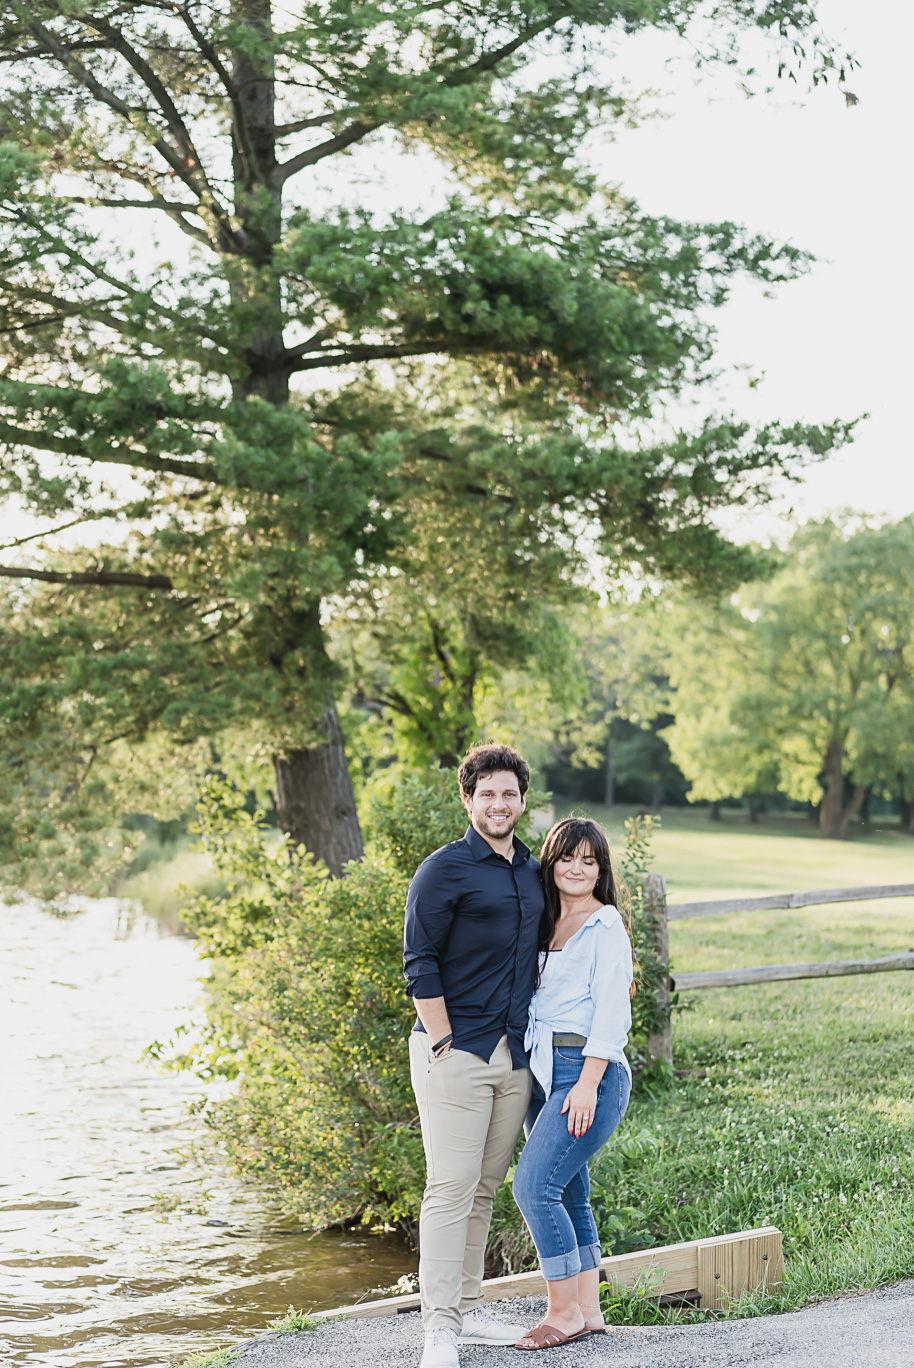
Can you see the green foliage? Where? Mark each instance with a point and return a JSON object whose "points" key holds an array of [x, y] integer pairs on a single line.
{"points": [[651, 1009], [807, 681], [791, 1114], [410, 815], [319, 414], [635, 1305], [622, 1226], [211, 1358], [640, 1304], [295, 1323]]}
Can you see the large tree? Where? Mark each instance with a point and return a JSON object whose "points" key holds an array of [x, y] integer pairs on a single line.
{"points": [[245, 397]]}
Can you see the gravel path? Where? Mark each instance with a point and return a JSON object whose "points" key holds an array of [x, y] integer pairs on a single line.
{"points": [[873, 1330]]}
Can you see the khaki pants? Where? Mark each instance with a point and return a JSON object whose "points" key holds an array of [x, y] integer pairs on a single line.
{"points": [[471, 1114]]}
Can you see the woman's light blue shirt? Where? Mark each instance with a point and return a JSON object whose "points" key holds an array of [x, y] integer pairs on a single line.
{"points": [[588, 994]]}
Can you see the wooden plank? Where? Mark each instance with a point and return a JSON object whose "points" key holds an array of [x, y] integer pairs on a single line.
{"points": [[679, 911], [744, 1265], [813, 898], [838, 895], [776, 973], [676, 1265]]}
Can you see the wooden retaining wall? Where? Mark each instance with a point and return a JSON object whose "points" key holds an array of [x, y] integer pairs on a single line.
{"points": [[710, 1271]]}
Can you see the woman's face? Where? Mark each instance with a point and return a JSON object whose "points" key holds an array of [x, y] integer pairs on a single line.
{"points": [[576, 874]]}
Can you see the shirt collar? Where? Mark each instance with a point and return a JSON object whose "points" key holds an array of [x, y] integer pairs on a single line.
{"points": [[482, 850], [606, 914]]}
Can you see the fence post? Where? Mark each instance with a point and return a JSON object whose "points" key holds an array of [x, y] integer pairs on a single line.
{"points": [[660, 1044]]}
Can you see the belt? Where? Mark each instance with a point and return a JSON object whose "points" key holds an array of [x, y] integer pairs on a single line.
{"points": [[567, 1038]]}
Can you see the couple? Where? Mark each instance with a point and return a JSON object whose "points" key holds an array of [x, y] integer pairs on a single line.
{"points": [[521, 978]]}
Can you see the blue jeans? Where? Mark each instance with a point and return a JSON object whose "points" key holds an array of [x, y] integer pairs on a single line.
{"points": [[551, 1181]]}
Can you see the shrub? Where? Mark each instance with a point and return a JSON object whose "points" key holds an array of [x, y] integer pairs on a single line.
{"points": [[651, 1010]]}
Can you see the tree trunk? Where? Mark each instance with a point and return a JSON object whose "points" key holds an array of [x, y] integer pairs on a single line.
{"points": [[657, 794], [751, 811], [714, 811], [907, 815], [834, 813], [314, 799], [609, 790], [315, 803]]}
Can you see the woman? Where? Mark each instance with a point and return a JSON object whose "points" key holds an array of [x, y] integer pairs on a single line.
{"points": [[578, 1028]]}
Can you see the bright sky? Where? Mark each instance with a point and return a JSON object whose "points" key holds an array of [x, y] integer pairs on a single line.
{"points": [[793, 165], [831, 179]]}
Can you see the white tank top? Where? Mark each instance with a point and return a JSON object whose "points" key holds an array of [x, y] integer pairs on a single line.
{"points": [[549, 962]]}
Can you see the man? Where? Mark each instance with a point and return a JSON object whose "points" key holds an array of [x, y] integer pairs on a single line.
{"points": [[472, 917]]}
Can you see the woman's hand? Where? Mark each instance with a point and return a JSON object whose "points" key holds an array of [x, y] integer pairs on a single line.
{"points": [[581, 1105]]}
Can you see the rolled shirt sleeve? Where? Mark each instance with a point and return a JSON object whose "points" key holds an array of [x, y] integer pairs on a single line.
{"points": [[430, 910], [609, 990]]}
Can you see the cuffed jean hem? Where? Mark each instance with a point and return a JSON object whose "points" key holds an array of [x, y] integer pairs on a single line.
{"points": [[559, 1266]]}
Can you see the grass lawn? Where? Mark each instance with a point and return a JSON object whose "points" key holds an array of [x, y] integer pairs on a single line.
{"points": [[794, 1102]]}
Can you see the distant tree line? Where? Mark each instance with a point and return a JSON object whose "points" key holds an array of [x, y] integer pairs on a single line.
{"points": [[799, 685]]}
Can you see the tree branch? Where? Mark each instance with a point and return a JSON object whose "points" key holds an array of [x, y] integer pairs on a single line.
{"points": [[440, 652], [128, 456], [103, 316], [299, 125], [159, 92], [174, 211], [168, 206], [489, 60], [38, 536], [147, 180], [94, 577], [359, 129], [302, 348], [312, 155], [178, 163], [68, 309], [370, 352], [86, 45], [212, 56]]}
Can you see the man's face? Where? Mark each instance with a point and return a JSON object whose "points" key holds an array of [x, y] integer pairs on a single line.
{"points": [[496, 805]]}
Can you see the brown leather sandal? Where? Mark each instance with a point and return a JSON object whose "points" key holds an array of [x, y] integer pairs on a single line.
{"points": [[547, 1337]]}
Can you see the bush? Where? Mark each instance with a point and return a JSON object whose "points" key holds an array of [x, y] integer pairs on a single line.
{"points": [[651, 1010], [307, 1008]]}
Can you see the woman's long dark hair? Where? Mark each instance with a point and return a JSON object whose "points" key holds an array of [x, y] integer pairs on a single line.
{"points": [[563, 839]]}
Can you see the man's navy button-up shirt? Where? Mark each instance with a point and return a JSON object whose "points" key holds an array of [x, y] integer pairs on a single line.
{"points": [[472, 919]]}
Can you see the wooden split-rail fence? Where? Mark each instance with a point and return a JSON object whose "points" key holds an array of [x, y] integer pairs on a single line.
{"points": [[660, 1046]]}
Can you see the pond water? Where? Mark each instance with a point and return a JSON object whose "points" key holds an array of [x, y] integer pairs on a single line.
{"points": [[123, 1238]]}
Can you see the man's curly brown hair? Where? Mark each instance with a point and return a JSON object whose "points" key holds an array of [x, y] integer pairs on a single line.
{"points": [[489, 759]]}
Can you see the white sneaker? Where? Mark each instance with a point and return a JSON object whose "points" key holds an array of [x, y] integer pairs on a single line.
{"points": [[440, 1348], [481, 1328]]}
